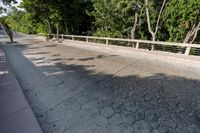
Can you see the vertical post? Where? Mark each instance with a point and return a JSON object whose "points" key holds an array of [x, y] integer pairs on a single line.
{"points": [[73, 38], [152, 47], [187, 51], [62, 37], [58, 32], [137, 45], [107, 41], [87, 40], [128, 43], [54, 36]]}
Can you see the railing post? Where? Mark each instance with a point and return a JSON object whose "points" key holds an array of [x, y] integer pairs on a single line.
{"points": [[87, 40], [54, 36], [137, 45], [73, 38], [62, 37], [187, 51], [107, 41]]}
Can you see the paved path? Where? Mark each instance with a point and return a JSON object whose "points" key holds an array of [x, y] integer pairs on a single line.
{"points": [[75, 90], [16, 115]]}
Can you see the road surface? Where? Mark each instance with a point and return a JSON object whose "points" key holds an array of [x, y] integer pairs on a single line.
{"points": [[79, 90]]}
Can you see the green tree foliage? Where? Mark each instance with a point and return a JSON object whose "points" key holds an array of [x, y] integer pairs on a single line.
{"points": [[20, 21], [1, 10], [114, 18], [181, 15], [178, 20], [69, 14]]}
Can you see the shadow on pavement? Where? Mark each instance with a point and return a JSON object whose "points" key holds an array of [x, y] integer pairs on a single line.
{"points": [[97, 57], [86, 101]]}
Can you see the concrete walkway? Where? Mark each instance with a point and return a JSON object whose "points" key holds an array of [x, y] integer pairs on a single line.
{"points": [[16, 115], [79, 88]]}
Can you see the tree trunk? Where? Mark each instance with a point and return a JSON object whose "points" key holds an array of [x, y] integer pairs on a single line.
{"points": [[134, 27], [137, 23], [57, 28], [49, 27], [153, 39], [133, 33], [181, 51], [11, 36], [190, 37], [66, 30], [153, 33], [8, 31], [187, 51]]}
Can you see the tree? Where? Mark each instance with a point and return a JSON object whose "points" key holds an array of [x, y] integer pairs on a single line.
{"points": [[166, 20], [183, 21], [39, 10], [20, 21], [7, 30], [137, 21], [70, 15], [2, 23], [157, 26], [116, 18]]}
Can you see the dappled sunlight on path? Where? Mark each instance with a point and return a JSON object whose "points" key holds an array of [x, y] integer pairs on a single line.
{"points": [[75, 90]]}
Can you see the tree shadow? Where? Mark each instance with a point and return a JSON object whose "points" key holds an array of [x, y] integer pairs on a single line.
{"points": [[160, 100], [38, 59], [73, 95], [52, 45], [97, 57], [56, 55]]}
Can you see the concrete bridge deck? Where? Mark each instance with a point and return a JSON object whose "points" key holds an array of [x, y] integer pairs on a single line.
{"points": [[84, 89]]}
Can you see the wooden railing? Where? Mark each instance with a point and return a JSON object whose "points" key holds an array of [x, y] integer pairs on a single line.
{"points": [[137, 42]]}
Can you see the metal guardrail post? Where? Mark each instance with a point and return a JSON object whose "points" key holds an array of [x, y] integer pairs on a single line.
{"points": [[73, 38], [87, 39]]}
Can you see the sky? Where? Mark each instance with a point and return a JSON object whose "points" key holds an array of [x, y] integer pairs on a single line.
{"points": [[18, 3], [1, 5]]}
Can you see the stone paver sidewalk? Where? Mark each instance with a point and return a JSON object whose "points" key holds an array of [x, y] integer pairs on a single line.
{"points": [[16, 115]]}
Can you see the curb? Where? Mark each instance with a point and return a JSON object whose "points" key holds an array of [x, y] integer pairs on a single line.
{"points": [[16, 115]]}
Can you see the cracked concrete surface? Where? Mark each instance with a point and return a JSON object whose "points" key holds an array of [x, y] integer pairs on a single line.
{"points": [[75, 90]]}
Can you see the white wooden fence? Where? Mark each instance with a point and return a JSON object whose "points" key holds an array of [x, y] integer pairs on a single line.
{"points": [[137, 42]]}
